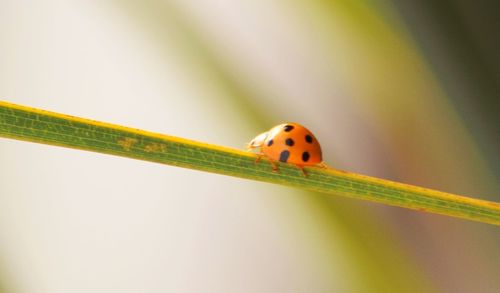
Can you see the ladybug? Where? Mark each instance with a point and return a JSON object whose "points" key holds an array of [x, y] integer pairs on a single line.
{"points": [[289, 143]]}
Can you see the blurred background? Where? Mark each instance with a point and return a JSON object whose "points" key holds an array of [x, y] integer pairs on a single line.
{"points": [[393, 89]]}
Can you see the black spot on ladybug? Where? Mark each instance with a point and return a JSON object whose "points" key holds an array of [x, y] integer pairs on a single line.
{"points": [[289, 142], [284, 156], [270, 142], [305, 156], [288, 128], [309, 138]]}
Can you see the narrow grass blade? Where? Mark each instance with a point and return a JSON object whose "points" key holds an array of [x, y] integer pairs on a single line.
{"points": [[24, 123]]}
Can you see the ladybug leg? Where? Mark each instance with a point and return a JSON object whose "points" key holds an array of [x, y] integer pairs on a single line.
{"points": [[273, 164], [323, 165], [259, 157], [302, 170], [260, 154]]}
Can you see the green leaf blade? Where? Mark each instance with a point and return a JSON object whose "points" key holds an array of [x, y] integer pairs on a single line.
{"points": [[23, 123]]}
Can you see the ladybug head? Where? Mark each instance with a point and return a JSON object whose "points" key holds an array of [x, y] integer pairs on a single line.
{"points": [[258, 141]]}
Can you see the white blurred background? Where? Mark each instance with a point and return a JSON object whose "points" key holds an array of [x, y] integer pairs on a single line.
{"points": [[222, 72]]}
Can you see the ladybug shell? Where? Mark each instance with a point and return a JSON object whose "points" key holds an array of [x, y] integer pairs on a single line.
{"points": [[292, 143]]}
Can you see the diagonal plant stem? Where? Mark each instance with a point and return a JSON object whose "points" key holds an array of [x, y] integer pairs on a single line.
{"points": [[29, 124]]}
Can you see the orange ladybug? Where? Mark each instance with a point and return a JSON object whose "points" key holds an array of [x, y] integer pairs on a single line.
{"points": [[289, 143]]}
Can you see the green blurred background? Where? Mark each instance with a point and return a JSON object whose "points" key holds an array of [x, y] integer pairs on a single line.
{"points": [[393, 89]]}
